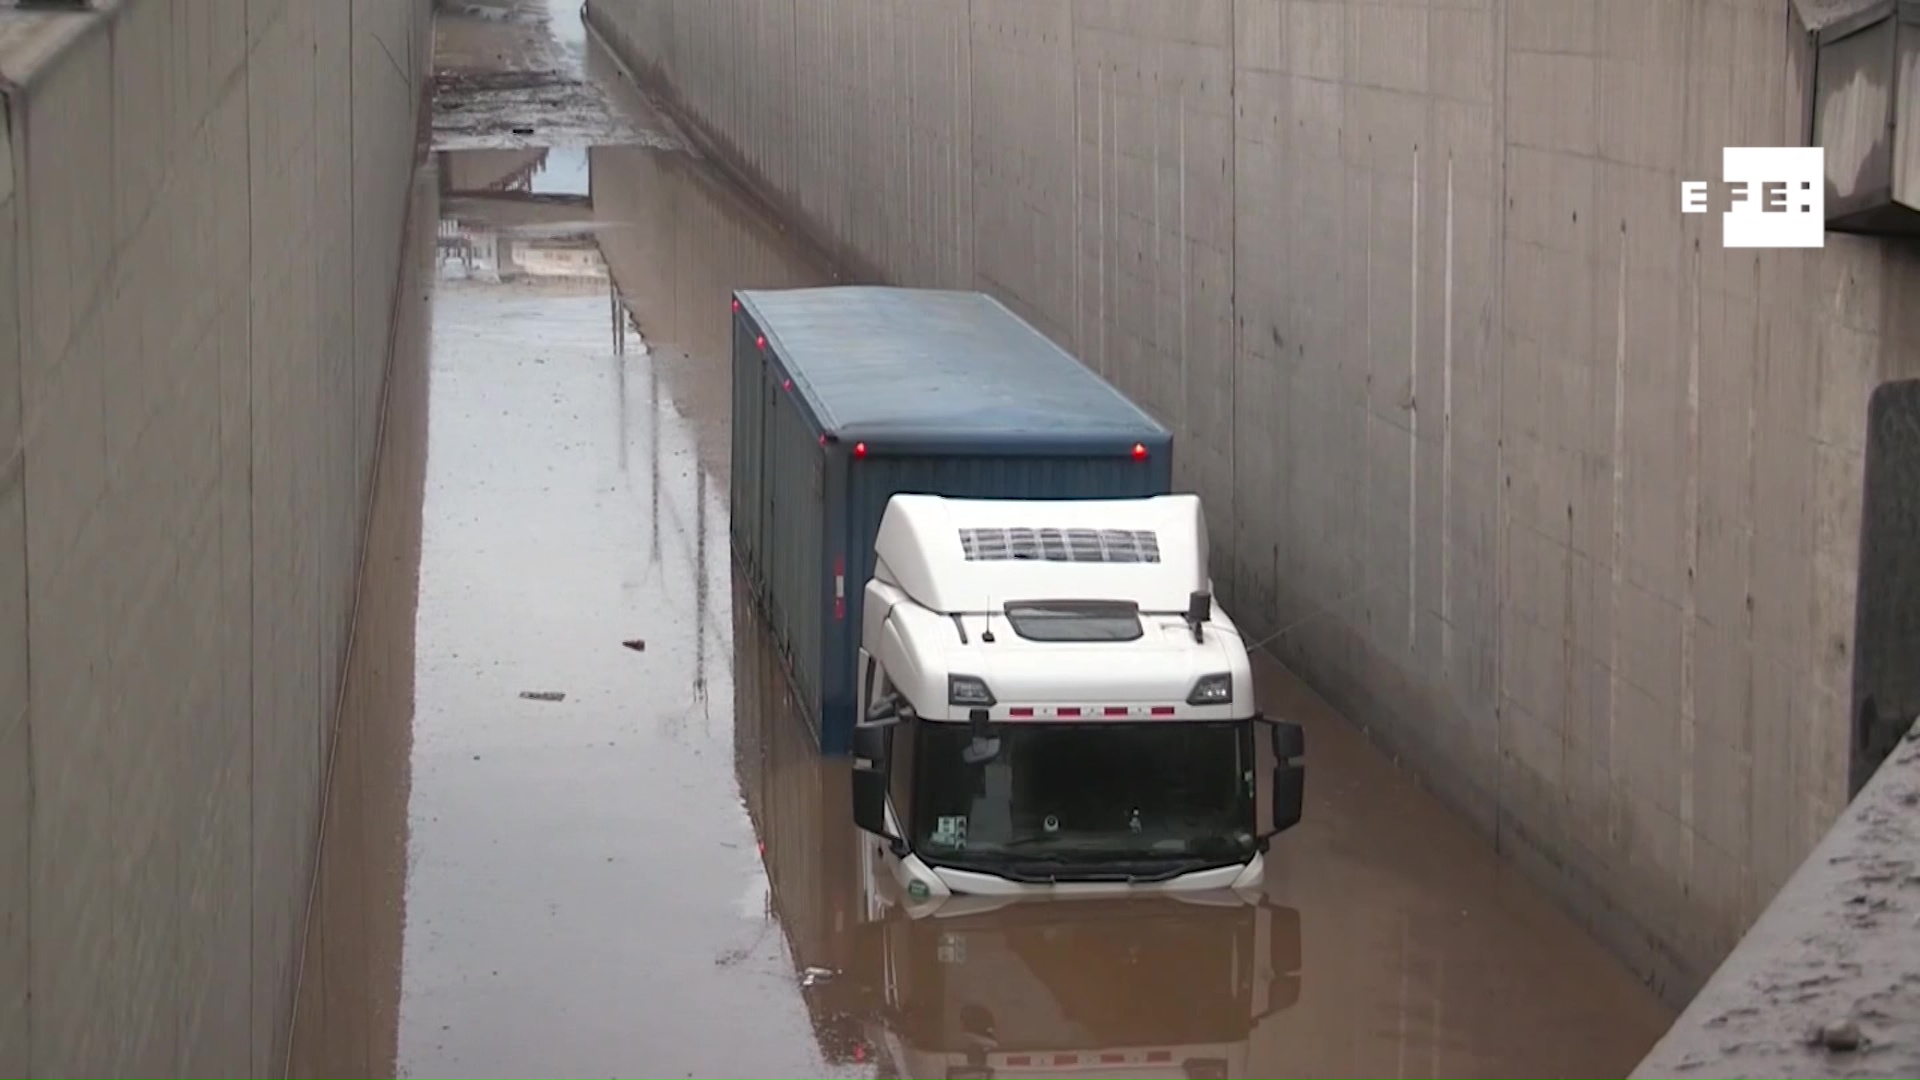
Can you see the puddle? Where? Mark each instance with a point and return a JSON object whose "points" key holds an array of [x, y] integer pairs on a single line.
{"points": [[565, 173]]}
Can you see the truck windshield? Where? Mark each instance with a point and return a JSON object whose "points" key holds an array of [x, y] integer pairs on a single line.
{"points": [[1086, 794]]}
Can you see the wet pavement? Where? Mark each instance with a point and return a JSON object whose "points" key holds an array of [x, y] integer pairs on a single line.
{"points": [[576, 829]]}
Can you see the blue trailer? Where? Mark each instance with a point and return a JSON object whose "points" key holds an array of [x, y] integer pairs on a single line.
{"points": [[848, 395]]}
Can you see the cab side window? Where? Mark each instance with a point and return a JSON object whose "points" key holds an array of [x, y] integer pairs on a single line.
{"points": [[878, 690], [900, 740], [900, 782]]}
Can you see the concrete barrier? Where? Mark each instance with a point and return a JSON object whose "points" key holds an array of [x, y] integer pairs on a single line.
{"points": [[200, 234], [1556, 497], [1827, 983]]}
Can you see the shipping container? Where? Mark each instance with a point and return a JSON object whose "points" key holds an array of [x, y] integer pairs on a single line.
{"points": [[848, 395]]}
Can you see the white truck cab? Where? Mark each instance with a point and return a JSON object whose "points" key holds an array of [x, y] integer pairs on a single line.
{"points": [[1051, 702]]}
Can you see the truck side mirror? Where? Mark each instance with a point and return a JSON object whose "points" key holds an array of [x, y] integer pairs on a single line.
{"points": [[1199, 610], [1289, 774], [870, 801], [1289, 741], [873, 743]]}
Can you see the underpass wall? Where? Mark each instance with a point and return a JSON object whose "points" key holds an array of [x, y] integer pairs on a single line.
{"points": [[671, 237], [1555, 496], [200, 234]]}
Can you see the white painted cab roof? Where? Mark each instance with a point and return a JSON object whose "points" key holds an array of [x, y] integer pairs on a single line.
{"points": [[920, 549]]}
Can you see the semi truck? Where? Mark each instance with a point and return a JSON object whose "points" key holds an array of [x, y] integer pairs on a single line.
{"points": [[1094, 667], [1149, 985], [1052, 702], [844, 396]]}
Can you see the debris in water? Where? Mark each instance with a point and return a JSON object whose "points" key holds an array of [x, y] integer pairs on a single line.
{"points": [[815, 975], [636, 644], [1841, 1036], [543, 695]]}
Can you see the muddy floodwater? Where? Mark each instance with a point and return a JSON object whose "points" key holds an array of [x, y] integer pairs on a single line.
{"points": [[575, 826]]}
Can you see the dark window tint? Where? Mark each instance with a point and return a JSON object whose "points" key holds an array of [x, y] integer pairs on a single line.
{"points": [[1063, 620]]}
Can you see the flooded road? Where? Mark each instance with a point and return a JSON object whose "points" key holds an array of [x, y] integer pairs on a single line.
{"points": [[575, 827]]}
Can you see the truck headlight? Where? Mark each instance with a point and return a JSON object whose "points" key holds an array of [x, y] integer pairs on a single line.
{"points": [[968, 690], [1212, 690]]}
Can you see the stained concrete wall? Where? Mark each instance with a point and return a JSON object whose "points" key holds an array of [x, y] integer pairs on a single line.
{"points": [[1557, 497], [200, 222], [347, 1012]]}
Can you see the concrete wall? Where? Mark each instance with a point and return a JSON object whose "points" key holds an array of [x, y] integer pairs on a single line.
{"points": [[674, 239], [347, 1014], [199, 239], [1557, 497]]}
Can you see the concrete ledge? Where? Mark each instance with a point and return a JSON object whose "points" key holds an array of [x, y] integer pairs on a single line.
{"points": [[30, 41], [1837, 952]]}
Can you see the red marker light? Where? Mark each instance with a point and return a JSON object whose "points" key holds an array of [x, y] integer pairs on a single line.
{"points": [[736, 305], [760, 342], [786, 384], [1116, 710], [859, 449], [1068, 710], [1139, 451], [1163, 710], [1020, 711], [823, 440]]}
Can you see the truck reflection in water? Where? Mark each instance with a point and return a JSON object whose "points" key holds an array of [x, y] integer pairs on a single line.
{"points": [[1126, 986], [1159, 987]]}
